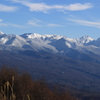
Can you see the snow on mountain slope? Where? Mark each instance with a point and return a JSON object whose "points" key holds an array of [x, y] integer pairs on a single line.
{"points": [[60, 44], [85, 39], [51, 43], [39, 42], [30, 35], [15, 40], [42, 37], [2, 39], [51, 38], [1, 33], [95, 43]]}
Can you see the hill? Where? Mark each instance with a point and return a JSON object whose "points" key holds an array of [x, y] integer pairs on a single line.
{"points": [[55, 68]]}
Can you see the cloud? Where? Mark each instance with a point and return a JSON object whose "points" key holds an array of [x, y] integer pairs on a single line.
{"points": [[54, 25], [43, 7], [85, 22], [10, 24], [3, 24], [35, 22], [15, 25], [78, 6], [7, 8], [1, 20]]}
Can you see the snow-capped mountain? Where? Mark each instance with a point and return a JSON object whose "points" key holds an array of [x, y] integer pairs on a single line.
{"points": [[59, 44], [60, 59], [50, 43]]}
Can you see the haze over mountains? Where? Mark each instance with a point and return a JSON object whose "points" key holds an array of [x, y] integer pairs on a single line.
{"points": [[62, 60]]}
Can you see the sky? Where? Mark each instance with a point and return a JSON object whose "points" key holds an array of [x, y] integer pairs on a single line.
{"points": [[70, 18]]}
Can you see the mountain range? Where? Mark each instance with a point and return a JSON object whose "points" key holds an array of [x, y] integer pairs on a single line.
{"points": [[84, 48], [61, 60], [50, 43]]}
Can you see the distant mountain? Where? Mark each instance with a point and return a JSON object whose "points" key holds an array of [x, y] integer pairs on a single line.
{"points": [[54, 43], [84, 48], [61, 60]]}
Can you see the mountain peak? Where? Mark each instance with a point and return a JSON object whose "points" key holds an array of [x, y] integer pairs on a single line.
{"points": [[98, 39], [86, 39], [35, 35], [1, 33], [54, 43], [31, 35]]}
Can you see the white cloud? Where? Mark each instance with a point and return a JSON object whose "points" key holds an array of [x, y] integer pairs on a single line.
{"points": [[78, 6], [1, 20], [42, 7], [10, 24], [7, 8], [54, 25], [15, 25], [35, 22], [86, 23], [3, 24]]}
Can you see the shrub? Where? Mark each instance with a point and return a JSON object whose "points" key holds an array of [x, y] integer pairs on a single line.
{"points": [[20, 86]]}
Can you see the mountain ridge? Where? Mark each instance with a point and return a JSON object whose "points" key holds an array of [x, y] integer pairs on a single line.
{"points": [[47, 39], [79, 47], [61, 60]]}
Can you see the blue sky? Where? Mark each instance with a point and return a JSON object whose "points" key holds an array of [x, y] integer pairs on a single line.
{"points": [[70, 18]]}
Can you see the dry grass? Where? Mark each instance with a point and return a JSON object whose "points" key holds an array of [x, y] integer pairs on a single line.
{"points": [[7, 91], [20, 86]]}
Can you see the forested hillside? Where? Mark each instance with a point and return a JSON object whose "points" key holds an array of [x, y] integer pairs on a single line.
{"points": [[17, 85], [54, 68]]}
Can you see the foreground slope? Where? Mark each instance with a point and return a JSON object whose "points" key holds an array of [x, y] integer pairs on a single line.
{"points": [[58, 59], [54, 68]]}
